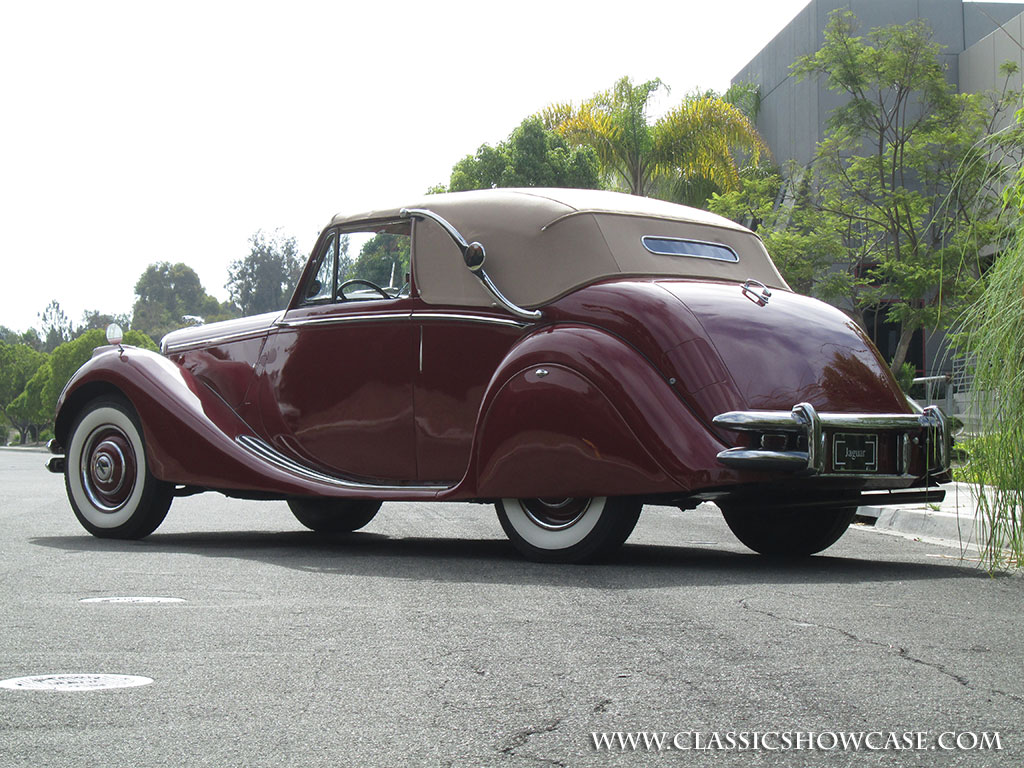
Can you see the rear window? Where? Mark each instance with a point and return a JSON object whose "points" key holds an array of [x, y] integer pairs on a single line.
{"points": [[673, 246]]}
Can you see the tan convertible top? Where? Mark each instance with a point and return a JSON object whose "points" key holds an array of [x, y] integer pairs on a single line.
{"points": [[543, 243]]}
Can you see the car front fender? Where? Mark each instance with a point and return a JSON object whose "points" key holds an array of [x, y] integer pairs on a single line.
{"points": [[190, 432]]}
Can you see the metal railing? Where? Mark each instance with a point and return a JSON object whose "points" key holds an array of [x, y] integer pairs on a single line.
{"points": [[946, 402]]}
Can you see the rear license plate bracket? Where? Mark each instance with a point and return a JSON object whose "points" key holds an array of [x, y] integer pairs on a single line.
{"points": [[854, 452]]}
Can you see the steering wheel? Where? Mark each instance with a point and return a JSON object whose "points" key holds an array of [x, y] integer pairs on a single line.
{"points": [[367, 283]]}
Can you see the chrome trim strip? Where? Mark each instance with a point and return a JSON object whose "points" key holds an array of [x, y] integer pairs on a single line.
{"points": [[216, 341], [803, 418], [515, 309], [441, 221], [368, 317], [265, 452], [486, 319]]}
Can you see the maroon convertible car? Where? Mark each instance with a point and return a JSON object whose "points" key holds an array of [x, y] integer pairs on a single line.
{"points": [[567, 355]]}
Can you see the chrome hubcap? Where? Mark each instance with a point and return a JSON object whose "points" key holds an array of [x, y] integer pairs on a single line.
{"points": [[556, 514], [108, 468]]}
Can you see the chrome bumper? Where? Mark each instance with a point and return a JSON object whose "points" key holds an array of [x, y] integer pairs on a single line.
{"points": [[805, 420], [56, 462]]}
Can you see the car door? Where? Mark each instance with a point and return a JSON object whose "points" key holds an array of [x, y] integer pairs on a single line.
{"points": [[463, 338], [336, 375], [460, 349]]}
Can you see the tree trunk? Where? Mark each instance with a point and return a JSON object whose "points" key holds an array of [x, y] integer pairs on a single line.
{"points": [[900, 356]]}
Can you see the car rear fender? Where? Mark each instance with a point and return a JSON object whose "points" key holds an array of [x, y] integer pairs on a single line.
{"points": [[575, 411]]}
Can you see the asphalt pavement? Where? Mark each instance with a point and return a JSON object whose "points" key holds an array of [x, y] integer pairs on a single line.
{"points": [[425, 640]]}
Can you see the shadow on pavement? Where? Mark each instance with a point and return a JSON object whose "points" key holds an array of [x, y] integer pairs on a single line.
{"points": [[496, 561]]}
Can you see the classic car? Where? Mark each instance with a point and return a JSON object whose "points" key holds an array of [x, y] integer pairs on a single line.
{"points": [[567, 355]]}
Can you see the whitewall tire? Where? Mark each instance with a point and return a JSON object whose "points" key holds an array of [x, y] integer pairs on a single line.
{"points": [[107, 476], [568, 530]]}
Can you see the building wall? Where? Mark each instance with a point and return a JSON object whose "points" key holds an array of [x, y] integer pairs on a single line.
{"points": [[794, 113], [979, 64]]}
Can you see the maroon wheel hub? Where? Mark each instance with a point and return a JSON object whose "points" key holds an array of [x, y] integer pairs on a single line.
{"points": [[108, 468]]}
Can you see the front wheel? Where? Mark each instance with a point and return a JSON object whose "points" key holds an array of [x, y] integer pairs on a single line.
{"points": [[788, 532], [107, 476], [569, 530], [334, 515]]}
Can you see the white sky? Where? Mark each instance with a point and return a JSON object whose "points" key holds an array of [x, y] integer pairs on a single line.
{"points": [[139, 132]]}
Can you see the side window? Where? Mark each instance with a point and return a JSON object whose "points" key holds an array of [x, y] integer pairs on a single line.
{"points": [[374, 262], [362, 263]]}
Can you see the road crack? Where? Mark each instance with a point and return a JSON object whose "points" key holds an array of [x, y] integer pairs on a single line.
{"points": [[898, 651], [520, 738]]}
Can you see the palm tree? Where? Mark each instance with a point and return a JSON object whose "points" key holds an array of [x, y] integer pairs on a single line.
{"points": [[695, 149]]}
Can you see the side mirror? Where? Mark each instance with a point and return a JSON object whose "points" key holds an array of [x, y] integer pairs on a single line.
{"points": [[474, 256]]}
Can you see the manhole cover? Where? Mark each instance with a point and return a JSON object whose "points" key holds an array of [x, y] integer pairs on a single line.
{"points": [[131, 600], [73, 682]]}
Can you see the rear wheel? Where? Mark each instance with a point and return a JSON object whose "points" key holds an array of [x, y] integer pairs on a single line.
{"points": [[789, 532], [334, 515], [107, 474], [568, 530]]}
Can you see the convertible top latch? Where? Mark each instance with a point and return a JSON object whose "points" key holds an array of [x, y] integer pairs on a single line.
{"points": [[758, 297]]}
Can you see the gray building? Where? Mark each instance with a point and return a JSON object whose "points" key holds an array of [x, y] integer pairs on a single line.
{"points": [[793, 114], [977, 37]]}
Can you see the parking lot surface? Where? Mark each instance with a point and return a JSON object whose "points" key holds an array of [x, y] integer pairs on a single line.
{"points": [[425, 640]]}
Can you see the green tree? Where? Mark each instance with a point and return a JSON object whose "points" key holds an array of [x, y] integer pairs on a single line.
{"points": [[698, 147], [27, 413], [897, 161], [746, 97], [72, 355], [531, 156], [29, 337], [55, 325], [381, 256], [264, 280], [18, 363], [803, 241], [96, 320], [165, 293]]}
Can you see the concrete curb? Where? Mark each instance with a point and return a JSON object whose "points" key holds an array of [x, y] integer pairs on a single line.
{"points": [[953, 522]]}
